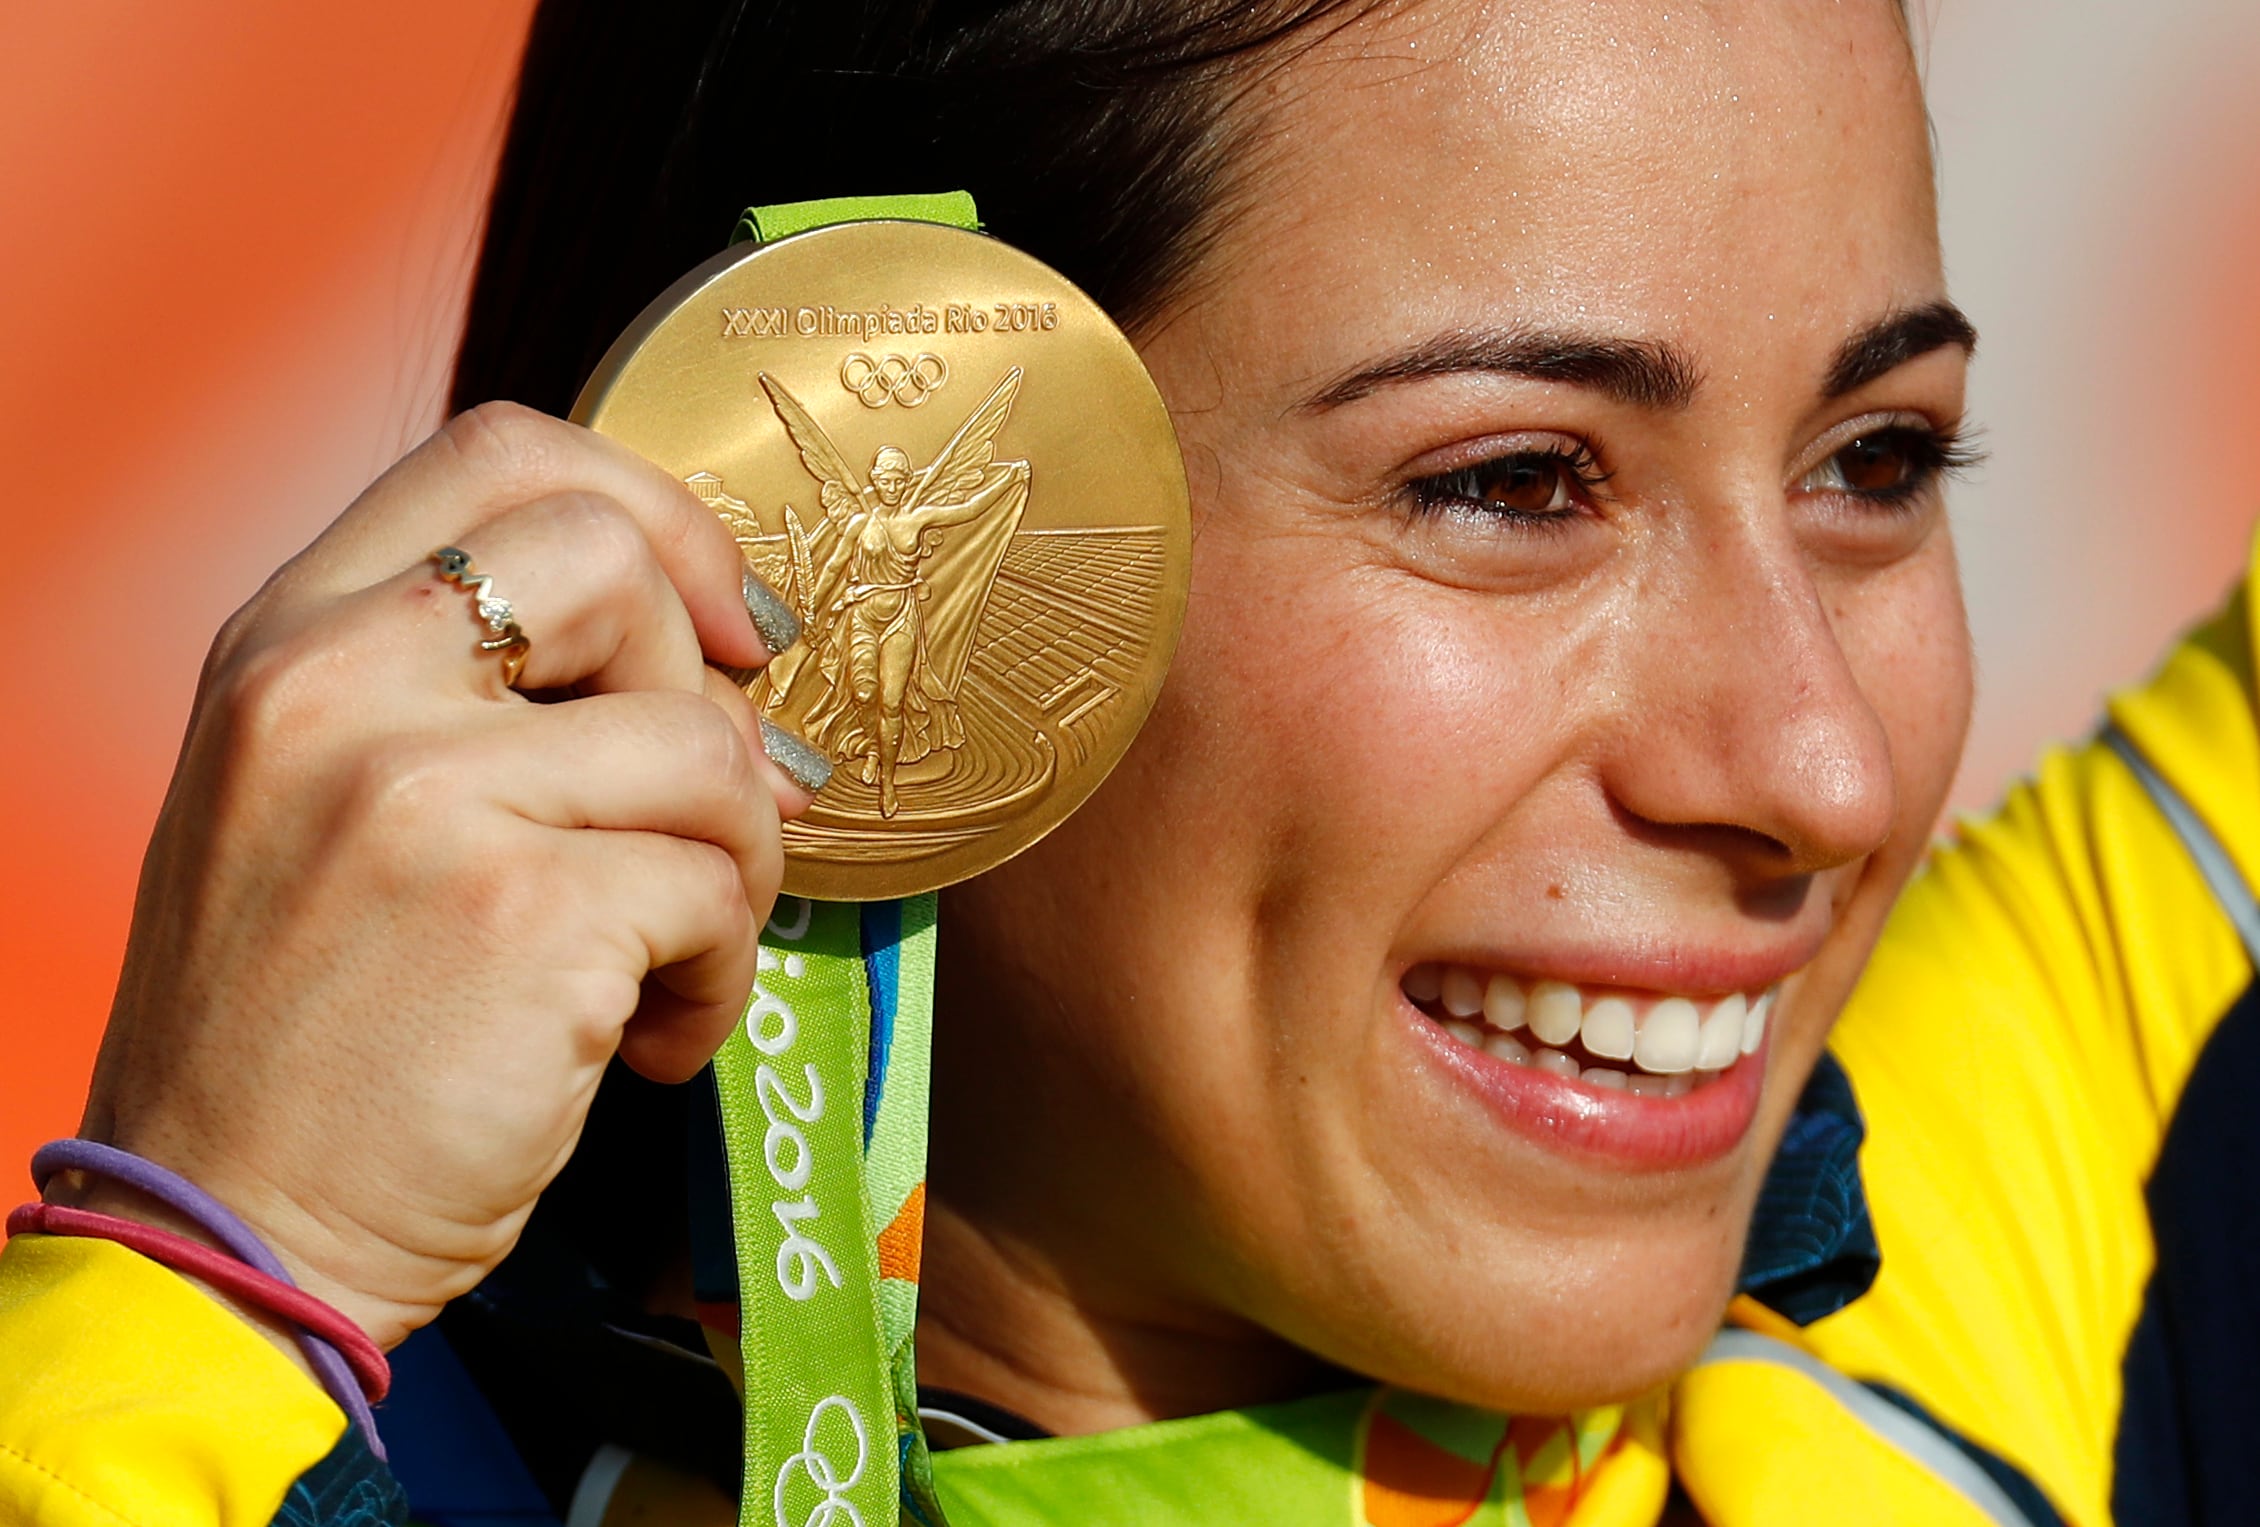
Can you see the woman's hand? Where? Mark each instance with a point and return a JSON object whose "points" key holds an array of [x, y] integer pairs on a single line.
{"points": [[397, 917]]}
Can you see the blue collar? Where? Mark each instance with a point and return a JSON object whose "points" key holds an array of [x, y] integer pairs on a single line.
{"points": [[1812, 1247]]}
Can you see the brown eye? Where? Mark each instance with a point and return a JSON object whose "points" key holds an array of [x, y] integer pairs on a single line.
{"points": [[1524, 485], [1890, 466], [1877, 464], [1527, 485]]}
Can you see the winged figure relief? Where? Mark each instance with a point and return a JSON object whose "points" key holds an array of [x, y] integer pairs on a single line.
{"points": [[890, 583]]}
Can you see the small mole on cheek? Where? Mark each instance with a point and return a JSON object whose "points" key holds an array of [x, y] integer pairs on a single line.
{"points": [[1556, 891]]}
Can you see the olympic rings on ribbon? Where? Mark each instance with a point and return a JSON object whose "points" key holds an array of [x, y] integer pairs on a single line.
{"points": [[907, 380], [823, 1473]]}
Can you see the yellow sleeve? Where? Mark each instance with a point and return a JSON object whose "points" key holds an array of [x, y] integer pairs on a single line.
{"points": [[129, 1396], [2019, 1045]]}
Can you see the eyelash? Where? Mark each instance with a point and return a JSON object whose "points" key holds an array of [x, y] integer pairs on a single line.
{"points": [[1932, 452], [1459, 492]]}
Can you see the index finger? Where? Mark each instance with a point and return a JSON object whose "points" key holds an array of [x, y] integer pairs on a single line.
{"points": [[498, 456]]}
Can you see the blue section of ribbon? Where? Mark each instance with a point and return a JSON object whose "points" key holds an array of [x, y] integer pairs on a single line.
{"points": [[1812, 1247], [912, 1511], [882, 970]]}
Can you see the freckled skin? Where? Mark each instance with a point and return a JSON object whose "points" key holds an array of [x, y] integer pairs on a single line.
{"points": [[1189, 1151]]}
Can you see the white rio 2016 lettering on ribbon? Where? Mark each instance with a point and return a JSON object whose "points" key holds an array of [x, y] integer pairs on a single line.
{"points": [[822, 1472], [773, 1027]]}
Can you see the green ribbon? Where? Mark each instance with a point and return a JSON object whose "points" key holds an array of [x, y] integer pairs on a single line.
{"points": [[825, 1162], [769, 224]]}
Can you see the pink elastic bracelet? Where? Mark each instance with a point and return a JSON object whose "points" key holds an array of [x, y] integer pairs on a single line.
{"points": [[225, 1273]]}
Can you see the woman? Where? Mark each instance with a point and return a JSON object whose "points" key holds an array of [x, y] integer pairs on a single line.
{"points": [[1574, 666]]}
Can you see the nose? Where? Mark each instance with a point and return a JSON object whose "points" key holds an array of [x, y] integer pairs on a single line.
{"points": [[1746, 723]]}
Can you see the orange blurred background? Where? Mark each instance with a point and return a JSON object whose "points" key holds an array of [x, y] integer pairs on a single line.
{"points": [[236, 240], [237, 235]]}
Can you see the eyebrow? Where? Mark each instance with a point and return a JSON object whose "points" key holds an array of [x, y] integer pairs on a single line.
{"points": [[1895, 339], [1651, 374], [1644, 373]]}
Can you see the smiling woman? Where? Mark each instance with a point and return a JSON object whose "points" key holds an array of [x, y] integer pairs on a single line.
{"points": [[1538, 634], [1371, 1104]]}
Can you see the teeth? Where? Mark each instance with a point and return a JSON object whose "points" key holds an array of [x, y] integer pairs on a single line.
{"points": [[1507, 1047], [1504, 1003], [1461, 991], [1722, 1034], [1556, 1012], [1556, 1062], [1667, 1044], [1670, 1039], [1608, 1029]]}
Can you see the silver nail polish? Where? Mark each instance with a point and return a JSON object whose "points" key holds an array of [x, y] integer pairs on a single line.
{"points": [[772, 617], [802, 764]]}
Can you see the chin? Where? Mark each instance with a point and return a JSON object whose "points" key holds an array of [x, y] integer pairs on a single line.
{"points": [[1584, 1246], [1517, 1323]]}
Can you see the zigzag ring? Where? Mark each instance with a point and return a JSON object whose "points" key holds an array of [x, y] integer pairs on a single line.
{"points": [[503, 635]]}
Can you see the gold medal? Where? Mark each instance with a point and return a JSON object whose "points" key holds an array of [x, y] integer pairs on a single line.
{"points": [[956, 470]]}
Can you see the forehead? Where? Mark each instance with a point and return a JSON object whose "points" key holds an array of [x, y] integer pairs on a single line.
{"points": [[1650, 167]]}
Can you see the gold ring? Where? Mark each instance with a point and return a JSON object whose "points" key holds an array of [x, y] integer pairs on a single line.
{"points": [[503, 635]]}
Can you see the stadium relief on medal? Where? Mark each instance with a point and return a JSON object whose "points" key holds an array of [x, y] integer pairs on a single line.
{"points": [[956, 660]]}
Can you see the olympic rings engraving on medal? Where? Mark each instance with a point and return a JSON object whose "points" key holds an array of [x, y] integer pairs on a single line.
{"points": [[503, 634], [907, 380], [813, 1461]]}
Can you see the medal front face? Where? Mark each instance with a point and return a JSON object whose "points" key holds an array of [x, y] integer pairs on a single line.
{"points": [[955, 469]]}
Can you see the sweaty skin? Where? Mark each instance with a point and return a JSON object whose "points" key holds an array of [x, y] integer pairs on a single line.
{"points": [[1688, 734]]}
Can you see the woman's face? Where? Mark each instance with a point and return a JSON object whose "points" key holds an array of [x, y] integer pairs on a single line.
{"points": [[1572, 603]]}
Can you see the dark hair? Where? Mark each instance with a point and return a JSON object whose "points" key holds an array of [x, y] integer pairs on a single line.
{"points": [[1092, 133]]}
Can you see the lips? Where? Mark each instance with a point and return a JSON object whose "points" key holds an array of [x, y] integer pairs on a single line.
{"points": [[1645, 1078]]}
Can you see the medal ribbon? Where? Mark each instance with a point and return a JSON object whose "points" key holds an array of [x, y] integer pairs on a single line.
{"points": [[823, 1090]]}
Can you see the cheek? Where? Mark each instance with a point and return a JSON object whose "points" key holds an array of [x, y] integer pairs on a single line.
{"points": [[1907, 640], [1909, 643], [1356, 716]]}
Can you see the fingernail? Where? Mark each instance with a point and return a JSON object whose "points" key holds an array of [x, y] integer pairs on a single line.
{"points": [[802, 764], [772, 617]]}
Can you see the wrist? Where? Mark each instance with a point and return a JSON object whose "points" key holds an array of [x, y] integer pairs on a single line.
{"points": [[266, 1230], [310, 1247], [99, 1195]]}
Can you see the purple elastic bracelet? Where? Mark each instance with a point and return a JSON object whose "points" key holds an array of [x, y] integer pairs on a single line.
{"points": [[219, 1222]]}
